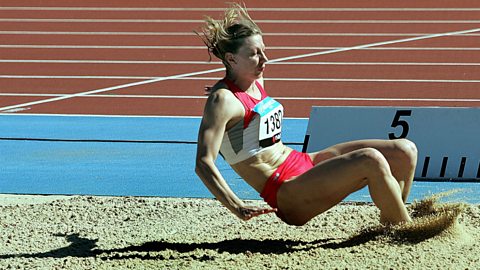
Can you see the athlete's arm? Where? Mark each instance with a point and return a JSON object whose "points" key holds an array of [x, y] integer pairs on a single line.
{"points": [[219, 110]]}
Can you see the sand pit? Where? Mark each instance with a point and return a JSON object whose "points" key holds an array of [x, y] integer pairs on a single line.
{"points": [[85, 232]]}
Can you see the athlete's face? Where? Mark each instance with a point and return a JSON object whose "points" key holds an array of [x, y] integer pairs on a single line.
{"points": [[250, 59]]}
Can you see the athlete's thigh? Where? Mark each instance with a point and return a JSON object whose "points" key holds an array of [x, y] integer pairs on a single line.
{"points": [[386, 147], [323, 186]]}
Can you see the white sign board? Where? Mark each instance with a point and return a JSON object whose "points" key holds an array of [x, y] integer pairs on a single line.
{"points": [[448, 139]]}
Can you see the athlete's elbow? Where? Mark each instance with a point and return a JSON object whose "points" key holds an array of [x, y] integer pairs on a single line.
{"points": [[201, 166], [198, 168]]}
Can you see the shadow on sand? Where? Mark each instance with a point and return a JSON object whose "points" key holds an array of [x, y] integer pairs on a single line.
{"points": [[84, 247]]}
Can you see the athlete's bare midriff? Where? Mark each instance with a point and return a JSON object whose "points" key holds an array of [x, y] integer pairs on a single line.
{"points": [[257, 169]]}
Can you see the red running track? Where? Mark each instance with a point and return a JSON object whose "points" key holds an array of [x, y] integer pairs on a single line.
{"points": [[61, 49]]}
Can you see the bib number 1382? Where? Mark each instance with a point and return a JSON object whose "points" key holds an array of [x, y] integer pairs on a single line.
{"points": [[273, 122]]}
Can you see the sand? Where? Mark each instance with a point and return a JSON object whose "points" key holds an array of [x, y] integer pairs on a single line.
{"points": [[86, 232]]}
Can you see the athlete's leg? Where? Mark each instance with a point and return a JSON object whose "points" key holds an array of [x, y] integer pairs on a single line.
{"points": [[330, 181], [401, 155]]}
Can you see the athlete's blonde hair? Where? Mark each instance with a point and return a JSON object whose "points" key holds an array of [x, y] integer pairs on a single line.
{"points": [[227, 34]]}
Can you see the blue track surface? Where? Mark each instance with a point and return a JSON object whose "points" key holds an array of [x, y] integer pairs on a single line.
{"points": [[130, 156]]}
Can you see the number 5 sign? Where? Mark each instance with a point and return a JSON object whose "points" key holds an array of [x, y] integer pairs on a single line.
{"points": [[448, 139]]}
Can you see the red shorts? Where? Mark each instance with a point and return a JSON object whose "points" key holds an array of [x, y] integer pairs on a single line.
{"points": [[295, 164]]}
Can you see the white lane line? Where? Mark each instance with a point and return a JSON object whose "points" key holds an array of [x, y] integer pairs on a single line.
{"points": [[115, 115], [72, 61], [99, 33], [29, 95], [108, 89], [373, 80], [377, 44], [170, 47], [21, 46], [379, 63], [217, 78], [222, 9], [107, 115], [193, 34], [146, 62], [258, 21], [220, 69], [280, 98]]}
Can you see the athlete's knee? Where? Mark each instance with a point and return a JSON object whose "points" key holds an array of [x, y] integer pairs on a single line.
{"points": [[374, 161], [407, 150], [372, 156]]}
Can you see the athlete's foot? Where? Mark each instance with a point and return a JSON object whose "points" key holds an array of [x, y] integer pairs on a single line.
{"points": [[385, 222]]}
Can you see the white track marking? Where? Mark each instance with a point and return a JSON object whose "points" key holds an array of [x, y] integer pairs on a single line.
{"points": [[107, 89], [280, 98], [266, 79], [116, 115], [49, 61], [98, 33], [376, 44], [176, 21], [98, 47], [220, 69], [16, 46], [193, 34], [378, 63], [222, 9], [108, 115]]}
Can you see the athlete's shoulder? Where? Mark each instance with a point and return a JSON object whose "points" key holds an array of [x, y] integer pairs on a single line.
{"points": [[219, 94], [221, 101]]}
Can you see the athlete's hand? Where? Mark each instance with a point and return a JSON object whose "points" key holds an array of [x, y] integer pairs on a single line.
{"points": [[248, 212]]}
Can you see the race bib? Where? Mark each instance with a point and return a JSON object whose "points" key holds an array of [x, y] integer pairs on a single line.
{"points": [[271, 116]]}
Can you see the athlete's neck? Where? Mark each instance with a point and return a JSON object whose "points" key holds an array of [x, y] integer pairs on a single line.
{"points": [[247, 85]]}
